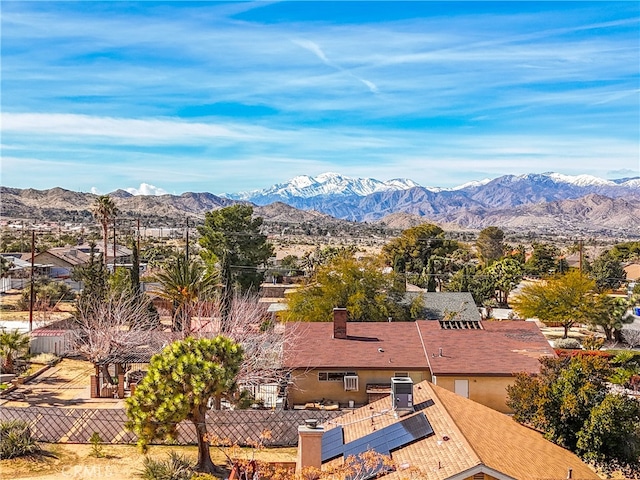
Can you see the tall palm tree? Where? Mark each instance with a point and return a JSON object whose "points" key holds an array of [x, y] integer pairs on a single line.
{"points": [[104, 210], [12, 345], [184, 284]]}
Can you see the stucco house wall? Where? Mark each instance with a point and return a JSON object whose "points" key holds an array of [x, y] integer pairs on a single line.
{"points": [[309, 389], [490, 391]]}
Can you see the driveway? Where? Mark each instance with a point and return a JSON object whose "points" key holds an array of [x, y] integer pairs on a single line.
{"points": [[65, 385]]}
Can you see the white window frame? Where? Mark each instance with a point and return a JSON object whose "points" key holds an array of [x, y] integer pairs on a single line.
{"points": [[351, 383]]}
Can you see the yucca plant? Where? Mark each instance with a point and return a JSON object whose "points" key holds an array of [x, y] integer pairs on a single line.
{"points": [[16, 439], [176, 467]]}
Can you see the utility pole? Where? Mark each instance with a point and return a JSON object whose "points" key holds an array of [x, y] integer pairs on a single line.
{"points": [[114, 245], [187, 249], [580, 245], [33, 292]]}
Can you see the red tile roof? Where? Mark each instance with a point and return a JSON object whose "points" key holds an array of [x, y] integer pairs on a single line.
{"points": [[500, 348], [373, 345]]}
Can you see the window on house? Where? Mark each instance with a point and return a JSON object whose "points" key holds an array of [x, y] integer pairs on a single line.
{"points": [[401, 374], [333, 376], [351, 383]]}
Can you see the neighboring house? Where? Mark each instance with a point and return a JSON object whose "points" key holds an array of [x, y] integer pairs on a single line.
{"points": [[445, 437], [343, 362], [62, 260], [446, 305]]}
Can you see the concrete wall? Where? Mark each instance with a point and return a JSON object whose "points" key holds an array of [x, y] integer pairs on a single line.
{"points": [[489, 391], [307, 388]]}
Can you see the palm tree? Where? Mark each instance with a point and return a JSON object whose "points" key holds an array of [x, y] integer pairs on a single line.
{"points": [[184, 284], [12, 345], [104, 210]]}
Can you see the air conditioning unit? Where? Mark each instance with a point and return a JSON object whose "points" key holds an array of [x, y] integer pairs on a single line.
{"points": [[351, 383], [401, 393]]}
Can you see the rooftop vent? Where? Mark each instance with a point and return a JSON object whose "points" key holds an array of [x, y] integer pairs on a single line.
{"points": [[460, 325]]}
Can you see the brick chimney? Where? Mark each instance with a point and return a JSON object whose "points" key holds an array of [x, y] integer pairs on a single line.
{"points": [[309, 446], [339, 323]]}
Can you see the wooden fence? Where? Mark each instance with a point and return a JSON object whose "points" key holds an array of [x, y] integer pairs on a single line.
{"points": [[243, 427]]}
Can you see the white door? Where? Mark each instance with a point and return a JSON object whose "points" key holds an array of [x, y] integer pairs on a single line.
{"points": [[462, 388]]}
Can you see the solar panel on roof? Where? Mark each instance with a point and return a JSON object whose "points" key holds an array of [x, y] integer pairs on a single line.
{"points": [[332, 443], [382, 441], [376, 441], [408, 430]]}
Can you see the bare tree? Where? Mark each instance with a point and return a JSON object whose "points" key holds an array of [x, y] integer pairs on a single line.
{"points": [[250, 325], [114, 326]]}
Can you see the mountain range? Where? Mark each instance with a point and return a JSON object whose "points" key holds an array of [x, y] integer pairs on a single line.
{"points": [[549, 201]]}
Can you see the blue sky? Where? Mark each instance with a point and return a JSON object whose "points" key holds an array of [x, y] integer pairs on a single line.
{"points": [[226, 97]]}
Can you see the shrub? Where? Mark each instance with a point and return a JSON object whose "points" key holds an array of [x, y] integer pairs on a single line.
{"points": [[16, 439], [591, 342], [176, 467], [96, 445], [44, 358], [567, 343]]}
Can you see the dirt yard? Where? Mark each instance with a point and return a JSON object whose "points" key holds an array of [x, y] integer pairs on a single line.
{"points": [[8, 312], [64, 385], [121, 462]]}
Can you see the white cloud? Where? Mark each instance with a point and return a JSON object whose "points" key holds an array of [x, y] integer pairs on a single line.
{"points": [[95, 191], [155, 131], [146, 189]]}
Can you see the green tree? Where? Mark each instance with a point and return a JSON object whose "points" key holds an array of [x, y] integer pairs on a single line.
{"points": [[231, 238], [563, 299], [607, 271], [178, 386], [626, 251], [506, 275], [47, 293], [610, 313], [104, 210], [559, 400], [184, 284], [94, 278], [360, 286], [5, 266], [13, 345], [570, 403], [543, 261], [471, 278], [410, 252], [611, 435], [490, 245]]}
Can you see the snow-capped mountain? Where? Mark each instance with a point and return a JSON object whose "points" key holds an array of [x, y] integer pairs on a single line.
{"points": [[325, 184], [369, 199]]}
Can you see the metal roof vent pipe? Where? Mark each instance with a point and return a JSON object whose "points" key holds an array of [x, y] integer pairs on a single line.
{"points": [[440, 352], [570, 473]]}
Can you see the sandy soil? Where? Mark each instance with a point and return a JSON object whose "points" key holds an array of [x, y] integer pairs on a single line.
{"points": [[64, 385], [122, 462]]}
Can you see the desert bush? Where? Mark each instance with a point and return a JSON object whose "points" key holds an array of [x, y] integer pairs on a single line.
{"points": [[44, 358], [16, 439], [591, 342], [176, 467], [567, 343], [47, 294]]}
